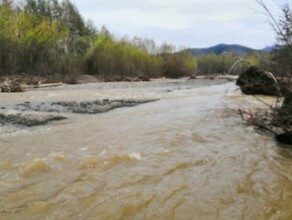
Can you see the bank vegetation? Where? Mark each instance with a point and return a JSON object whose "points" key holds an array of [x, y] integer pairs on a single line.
{"points": [[50, 39], [273, 76]]}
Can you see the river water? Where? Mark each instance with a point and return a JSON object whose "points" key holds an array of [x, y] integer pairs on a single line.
{"points": [[186, 156]]}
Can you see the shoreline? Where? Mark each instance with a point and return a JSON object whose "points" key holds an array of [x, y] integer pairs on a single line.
{"points": [[28, 82], [47, 104]]}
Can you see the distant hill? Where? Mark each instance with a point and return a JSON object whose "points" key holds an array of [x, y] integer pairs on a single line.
{"points": [[269, 49], [220, 48]]}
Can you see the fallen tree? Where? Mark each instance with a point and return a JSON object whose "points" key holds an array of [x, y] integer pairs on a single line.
{"points": [[277, 120], [258, 82]]}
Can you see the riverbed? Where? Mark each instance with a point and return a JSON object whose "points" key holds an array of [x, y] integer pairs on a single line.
{"points": [[186, 154]]}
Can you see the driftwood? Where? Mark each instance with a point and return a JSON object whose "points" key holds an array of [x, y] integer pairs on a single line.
{"points": [[45, 85], [260, 119], [11, 86], [266, 121]]}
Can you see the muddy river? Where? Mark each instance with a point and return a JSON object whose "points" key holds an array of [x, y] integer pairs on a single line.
{"points": [[187, 155]]}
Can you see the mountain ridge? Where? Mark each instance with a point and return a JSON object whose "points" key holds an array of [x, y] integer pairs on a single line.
{"points": [[221, 48]]}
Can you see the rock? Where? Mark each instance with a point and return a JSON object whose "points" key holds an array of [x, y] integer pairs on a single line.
{"points": [[11, 86], [257, 82]]}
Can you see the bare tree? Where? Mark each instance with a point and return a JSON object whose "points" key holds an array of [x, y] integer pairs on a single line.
{"points": [[279, 24], [282, 25], [281, 116]]}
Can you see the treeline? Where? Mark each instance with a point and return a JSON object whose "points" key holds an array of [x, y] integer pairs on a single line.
{"points": [[50, 38], [41, 37], [112, 59], [226, 63]]}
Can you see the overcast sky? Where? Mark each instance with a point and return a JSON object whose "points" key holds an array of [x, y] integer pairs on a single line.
{"points": [[191, 23]]}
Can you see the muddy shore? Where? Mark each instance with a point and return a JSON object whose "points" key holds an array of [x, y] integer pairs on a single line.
{"points": [[39, 106], [39, 113]]}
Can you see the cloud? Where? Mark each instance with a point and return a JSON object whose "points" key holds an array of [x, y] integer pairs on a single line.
{"points": [[188, 22]]}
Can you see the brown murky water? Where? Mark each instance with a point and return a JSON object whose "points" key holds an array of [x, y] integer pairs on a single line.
{"points": [[187, 156]]}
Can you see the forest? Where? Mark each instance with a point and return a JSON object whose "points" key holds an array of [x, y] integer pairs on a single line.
{"points": [[51, 39]]}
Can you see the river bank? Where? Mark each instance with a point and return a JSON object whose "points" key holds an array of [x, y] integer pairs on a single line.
{"points": [[44, 104]]}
